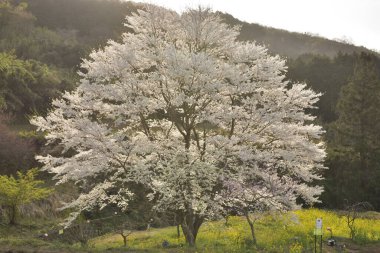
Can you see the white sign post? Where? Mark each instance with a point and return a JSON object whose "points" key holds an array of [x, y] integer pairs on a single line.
{"points": [[318, 232], [318, 223]]}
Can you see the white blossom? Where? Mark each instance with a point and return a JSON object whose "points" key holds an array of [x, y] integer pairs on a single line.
{"points": [[191, 113]]}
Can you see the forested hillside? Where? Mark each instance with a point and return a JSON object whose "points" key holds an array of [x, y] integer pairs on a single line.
{"points": [[97, 21], [291, 44], [42, 43]]}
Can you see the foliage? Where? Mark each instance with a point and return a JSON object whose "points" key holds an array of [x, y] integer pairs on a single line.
{"points": [[19, 34], [291, 44], [325, 75], [15, 152], [334, 78], [184, 109], [26, 86], [21, 190], [352, 213], [60, 32], [93, 21], [354, 146], [96, 21], [276, 232]]}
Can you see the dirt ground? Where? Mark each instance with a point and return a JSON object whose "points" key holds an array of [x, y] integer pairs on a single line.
{"points": [[346, 246]]}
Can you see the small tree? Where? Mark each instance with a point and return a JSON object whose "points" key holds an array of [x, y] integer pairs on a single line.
{"points": [[250, 199], [352, 212], [125, 230], [21, 190]]}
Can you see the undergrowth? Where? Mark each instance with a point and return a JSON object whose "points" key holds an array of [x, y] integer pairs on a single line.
{"points": [[276, 232], [290, 232]]}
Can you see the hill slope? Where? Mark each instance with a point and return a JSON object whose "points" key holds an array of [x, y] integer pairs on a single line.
{"points": [[290, 44], [99, 20]]}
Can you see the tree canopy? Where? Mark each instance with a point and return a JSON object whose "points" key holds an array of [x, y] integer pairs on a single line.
{"points": [[183, 108]]}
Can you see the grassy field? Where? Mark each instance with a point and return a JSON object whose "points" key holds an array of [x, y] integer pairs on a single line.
{"points": [[290, 232]]}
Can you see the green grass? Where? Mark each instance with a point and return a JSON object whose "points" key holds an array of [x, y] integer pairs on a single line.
{"points": [[25, 237], [290, 232]]}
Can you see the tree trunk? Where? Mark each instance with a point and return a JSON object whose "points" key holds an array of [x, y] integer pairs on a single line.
{"points": [[124, 240], [226, 218], [178, 232], [190, 226], [252, 226], [12, 215]]}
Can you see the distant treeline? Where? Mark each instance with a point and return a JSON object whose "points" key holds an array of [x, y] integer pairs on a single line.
{"points": [[349, 110], [42, 43], [291, 44]]}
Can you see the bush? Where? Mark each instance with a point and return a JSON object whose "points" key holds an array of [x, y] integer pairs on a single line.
{"points": [[21, 190]]}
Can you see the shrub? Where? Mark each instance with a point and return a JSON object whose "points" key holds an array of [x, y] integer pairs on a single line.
{"points": [[21, 190]]}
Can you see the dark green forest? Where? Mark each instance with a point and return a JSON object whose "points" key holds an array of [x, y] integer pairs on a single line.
{"points": [[42, 43]]}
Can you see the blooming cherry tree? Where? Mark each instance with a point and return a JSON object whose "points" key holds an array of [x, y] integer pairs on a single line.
{"points": [[183, 108]]}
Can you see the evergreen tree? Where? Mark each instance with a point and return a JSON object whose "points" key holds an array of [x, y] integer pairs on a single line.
{"points": [[355, 146], [323, 75]]}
